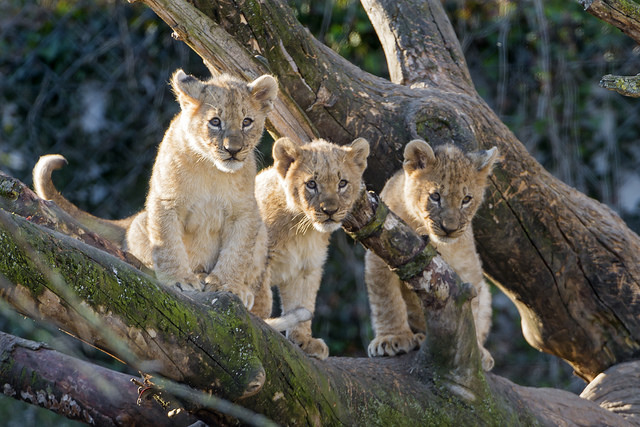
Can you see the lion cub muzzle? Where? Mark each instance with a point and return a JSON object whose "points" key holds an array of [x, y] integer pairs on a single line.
{"points": [[232, 144]]}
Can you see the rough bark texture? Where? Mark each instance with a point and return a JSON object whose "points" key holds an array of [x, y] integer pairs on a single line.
{"points": [[618, 390], [78, 390], [566, 260]]}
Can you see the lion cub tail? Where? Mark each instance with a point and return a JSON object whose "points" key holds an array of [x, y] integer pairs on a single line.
{"points": [[289, 320], [114, 231]]}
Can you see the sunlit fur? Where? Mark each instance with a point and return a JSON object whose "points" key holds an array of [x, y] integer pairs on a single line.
{"points": [[437, 193], [201, 228], [300, 218]]}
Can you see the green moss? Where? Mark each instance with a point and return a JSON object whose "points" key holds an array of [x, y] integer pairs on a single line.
{"points": [[103, 281]]}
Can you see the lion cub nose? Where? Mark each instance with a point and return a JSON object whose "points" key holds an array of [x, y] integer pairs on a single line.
{"points": [[329, 209], [232, 149], [448, 228]]}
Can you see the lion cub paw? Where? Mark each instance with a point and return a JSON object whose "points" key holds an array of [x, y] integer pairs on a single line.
{"points": [[392, 344], [213, 283], [190, 284], [314, 347]]}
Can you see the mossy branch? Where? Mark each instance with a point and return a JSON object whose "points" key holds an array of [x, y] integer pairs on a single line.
{"points": [[624, 85], [622, 14]]}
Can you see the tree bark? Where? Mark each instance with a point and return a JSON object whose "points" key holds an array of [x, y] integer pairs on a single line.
{"points": [[76, 389], [567, 261]]}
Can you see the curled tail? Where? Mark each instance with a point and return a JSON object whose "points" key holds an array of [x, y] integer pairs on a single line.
{"points": [[114, 231], [289, 320]]}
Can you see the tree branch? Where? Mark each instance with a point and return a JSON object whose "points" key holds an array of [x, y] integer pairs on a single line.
{"points": [[624, 85], [219, 347], [76, 389], [419, 44], [622, 14]]}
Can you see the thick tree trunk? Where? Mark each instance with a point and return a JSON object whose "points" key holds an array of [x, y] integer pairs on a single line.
{"points": [[568, 262], [221, 348]]}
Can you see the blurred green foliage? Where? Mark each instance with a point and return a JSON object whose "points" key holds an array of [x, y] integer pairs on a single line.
{"points": [[88, 79]]}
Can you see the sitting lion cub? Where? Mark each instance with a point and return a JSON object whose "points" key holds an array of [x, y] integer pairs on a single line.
{"points": [[438, 192], [303, 197], [200, 228]]}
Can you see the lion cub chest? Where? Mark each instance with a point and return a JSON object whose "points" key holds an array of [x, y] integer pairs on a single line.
{"points": [[207, 214], [299, 255]]}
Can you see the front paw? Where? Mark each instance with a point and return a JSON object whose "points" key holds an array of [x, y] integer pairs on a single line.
{"points": [[314, 347], [392, 344], [213, 283]]}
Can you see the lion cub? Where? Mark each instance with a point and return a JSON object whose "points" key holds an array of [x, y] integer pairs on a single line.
{"points": [[303, 197], [437, 192], [200, 228]]}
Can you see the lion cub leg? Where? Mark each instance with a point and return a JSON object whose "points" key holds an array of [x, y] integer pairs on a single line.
{"points": [[235, 270], [158, 242], [388, 311], [481, 308], [301, 291]]}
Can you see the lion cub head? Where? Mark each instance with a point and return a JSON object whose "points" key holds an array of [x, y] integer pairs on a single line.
{"points": [[444, 187], [224, 116], [321, 179]]}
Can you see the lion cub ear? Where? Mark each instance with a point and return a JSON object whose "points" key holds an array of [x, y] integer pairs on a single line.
{"points": [[265, 90], [284, 153], [417, 155], [186, 87], [359, 151], [485, 159]]}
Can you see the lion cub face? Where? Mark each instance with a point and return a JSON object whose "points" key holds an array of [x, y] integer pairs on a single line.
{"points": [[224, 117], [444, 187], [321, 179]]}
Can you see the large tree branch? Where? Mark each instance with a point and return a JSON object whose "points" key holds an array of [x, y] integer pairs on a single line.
{"points": [[419, 44]]}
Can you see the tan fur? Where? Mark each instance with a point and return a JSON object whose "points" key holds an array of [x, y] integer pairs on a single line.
{"points": [[431, 195], [303, 197], [201, 228]]}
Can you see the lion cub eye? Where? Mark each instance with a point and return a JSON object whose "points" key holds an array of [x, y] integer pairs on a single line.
{"points": [[311, 184], [247, 122], [343, 183], [435, 196], [215, 123], [466, 200]]}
